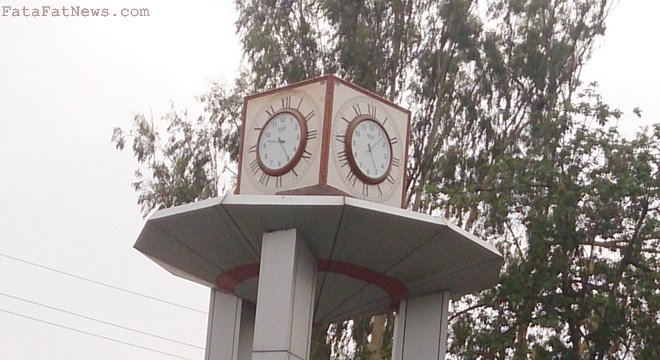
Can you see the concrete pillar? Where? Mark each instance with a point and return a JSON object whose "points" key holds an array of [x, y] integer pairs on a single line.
{"points": [[230, 328], [420, 328], [285, 298]]}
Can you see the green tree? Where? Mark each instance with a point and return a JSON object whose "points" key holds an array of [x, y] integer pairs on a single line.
{"points": [[187, 164], [582, 281], [506, 142], [282, 40]]}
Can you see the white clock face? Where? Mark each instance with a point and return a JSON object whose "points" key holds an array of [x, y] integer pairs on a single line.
{"points": [[369, 150], [281, 142]]}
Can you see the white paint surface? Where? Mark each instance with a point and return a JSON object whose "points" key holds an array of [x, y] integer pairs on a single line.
{"points": [[420, 329], [285, 299], [224, 327]]}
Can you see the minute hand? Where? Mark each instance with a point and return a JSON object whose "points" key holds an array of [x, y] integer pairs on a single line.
{"points": [[283, 148], [376, 143], [371, 153]]}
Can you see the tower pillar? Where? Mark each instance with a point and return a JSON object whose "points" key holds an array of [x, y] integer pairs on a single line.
{"points": [[230, 328], [285, 298], [420, 328]]}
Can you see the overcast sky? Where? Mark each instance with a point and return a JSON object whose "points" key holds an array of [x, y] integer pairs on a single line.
{"points": [[65, 196]]}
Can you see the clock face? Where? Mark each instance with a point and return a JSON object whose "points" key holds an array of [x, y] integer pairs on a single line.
{"points": [[367, 149], [282, 142]]}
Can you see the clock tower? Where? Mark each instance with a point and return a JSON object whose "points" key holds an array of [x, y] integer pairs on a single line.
{"points": [[284, 262], [324, 136]]}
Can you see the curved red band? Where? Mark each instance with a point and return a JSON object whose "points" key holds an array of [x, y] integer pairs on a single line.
{"points": [[396, 289]]}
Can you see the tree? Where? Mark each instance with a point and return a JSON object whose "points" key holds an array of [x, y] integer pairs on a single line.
{"points": [[189, 163], [581, 282], [506, 142]]}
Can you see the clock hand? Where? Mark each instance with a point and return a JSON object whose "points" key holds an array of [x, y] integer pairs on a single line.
{"points": [[379, 140], [283, 148], [371, 153]]}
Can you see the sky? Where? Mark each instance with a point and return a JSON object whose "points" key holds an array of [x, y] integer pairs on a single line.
{"points": [[66, 203]]}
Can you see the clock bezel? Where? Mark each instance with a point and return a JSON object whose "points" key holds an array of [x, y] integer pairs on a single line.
{"points": [[350, 131], [301, 145]]}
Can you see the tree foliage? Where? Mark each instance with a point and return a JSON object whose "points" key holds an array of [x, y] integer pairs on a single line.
{"points": [[188, 164], [507, 142], [582, 228]]}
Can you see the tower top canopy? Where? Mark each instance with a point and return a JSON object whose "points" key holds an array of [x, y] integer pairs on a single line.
{"points": [[370, 256]]}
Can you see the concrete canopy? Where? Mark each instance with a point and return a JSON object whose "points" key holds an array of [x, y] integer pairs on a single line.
{"points": [[370, 256]]}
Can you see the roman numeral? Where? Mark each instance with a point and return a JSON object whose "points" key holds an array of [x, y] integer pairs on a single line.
{"points": [[365, 189], [264, 179], [309, 116], [394, 141], [252, 149], [343, 160], [380, 192], [341, 138], [294, 172], [286, 102], [345, 119], [299, 103], [396, 162], [351, 177], [311, 135], [371, 110], [257, 128], [384, 121], [390, 179], [278, 182], [254, 166], [307, 155], [270, 111], [357, 109]]}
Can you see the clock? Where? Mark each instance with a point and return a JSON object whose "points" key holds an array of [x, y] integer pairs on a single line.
{"points": [[280, 140], [367, 149], [323, 136]]}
